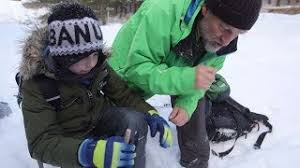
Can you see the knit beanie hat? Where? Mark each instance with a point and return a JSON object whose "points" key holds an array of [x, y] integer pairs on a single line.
{"points": [[241, 14], [73, 34]]}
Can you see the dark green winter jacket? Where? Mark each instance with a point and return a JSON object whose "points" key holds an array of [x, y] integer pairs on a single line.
{"points": [[54, 137]]}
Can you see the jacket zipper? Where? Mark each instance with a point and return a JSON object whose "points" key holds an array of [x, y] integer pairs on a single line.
{"points": [[90, 95], [91, 99], [70, 103]]}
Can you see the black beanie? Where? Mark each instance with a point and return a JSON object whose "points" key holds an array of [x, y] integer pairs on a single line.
{"points": [[241, 14], [73, 34]]}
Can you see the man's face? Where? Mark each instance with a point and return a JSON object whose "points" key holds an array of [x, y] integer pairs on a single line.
{"points": [[214, 32], [85, 65]]}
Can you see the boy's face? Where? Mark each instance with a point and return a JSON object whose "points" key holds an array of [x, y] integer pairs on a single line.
{"points": [[214, 32], [85, 65]]}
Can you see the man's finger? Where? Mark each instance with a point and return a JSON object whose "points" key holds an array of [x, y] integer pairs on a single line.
{"points": [[175, 120], [203, 84], [173, 113], [211, 77], [182, 120], [205, 76], [180, 123]]}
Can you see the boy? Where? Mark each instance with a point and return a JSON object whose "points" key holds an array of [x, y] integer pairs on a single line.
{"points": [[81, 126]]}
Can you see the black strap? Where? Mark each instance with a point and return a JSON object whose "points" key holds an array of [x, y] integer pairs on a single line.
{"points": [[262, 136], [49, 89], [19, 81], [222, 154]]}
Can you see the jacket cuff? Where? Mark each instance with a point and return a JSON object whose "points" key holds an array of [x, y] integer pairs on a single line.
{"points": [[187, 105], [189, 102], [85, 152]]}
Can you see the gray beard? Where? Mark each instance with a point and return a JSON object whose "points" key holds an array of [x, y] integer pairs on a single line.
{"points": [[209, 47], [201, 33]]}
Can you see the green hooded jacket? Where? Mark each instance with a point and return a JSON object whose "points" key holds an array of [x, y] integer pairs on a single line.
{"points": [[54, 136], [142, 54]]}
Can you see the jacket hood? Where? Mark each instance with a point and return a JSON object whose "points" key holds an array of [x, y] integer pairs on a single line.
{"points": [[32, 62]]}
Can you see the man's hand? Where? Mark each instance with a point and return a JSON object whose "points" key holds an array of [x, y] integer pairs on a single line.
{"points": [[205, 76], [179, 116]]}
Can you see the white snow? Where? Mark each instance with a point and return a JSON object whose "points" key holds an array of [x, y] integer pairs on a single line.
{"points": [[263, 75], [13, 11]]}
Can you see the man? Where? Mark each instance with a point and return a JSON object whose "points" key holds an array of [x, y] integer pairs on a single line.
{"points": [[175, 47]]}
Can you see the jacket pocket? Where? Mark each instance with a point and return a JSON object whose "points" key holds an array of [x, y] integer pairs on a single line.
{"points": [[70, 102]]}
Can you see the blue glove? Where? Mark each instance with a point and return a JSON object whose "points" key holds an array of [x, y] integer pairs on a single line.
{"points": [[158, 124], [110, 153]]}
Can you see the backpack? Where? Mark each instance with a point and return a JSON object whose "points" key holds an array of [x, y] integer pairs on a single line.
{"points": [[47, 86], [227, 120]]}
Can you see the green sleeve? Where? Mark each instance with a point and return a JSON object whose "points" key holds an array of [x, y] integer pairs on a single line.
{"points": [[189, 102], [44, 135]]}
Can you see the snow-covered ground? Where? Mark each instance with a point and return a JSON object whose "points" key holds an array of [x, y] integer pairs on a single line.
{"points": [[263, 75]]}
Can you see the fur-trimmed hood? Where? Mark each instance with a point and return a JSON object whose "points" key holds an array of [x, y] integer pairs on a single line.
{"points": [[32, 54]]}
